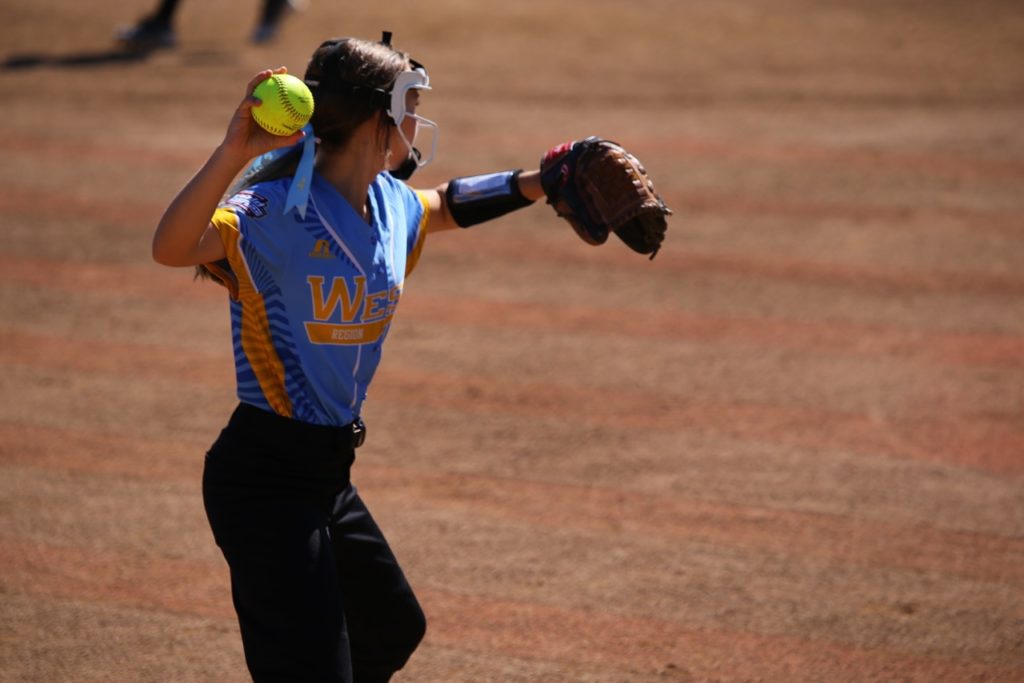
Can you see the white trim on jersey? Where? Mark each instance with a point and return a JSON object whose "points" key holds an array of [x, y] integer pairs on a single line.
{"points": [[351, 257]]}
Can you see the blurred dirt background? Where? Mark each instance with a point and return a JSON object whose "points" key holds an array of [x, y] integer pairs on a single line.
{"points": [[791, 448]]}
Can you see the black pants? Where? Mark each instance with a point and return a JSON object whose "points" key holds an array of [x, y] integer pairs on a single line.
{"points": [[318, 592]]}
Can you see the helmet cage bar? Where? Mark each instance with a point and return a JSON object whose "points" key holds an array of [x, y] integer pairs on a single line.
{"points": [[377, 97]]}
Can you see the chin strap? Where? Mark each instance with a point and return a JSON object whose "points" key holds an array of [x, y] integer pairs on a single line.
{"points": [[408, 167]]}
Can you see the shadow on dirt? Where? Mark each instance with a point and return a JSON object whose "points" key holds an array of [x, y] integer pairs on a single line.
{"points": [[76, 59], [114, 56]]}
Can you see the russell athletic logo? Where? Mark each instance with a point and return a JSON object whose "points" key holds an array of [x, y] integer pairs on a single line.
{"points": [[321, 250]]}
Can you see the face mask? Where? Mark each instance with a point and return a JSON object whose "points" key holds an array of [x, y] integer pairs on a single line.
{"points": [[406, 81]]}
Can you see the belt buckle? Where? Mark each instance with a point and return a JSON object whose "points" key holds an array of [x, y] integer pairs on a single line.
{"points": [[358, 432]]}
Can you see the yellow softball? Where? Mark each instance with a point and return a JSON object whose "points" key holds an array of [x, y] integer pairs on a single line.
{"points": [[286, 105]]}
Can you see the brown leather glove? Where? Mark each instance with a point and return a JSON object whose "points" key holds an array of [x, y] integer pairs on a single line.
{"points": [[599, 187]]}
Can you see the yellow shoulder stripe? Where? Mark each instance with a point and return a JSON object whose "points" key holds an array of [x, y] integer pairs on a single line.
{"points": [[414, 257], [255, 332]]}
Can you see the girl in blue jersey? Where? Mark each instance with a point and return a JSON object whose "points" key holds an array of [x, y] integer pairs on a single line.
{"points": [[314, 251]]}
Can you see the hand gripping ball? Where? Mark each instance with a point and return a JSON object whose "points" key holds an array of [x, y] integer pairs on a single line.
{"points": [[286, 105]]}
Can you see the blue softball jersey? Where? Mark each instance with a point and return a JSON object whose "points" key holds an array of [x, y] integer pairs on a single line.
{"points": [[312, 298]]}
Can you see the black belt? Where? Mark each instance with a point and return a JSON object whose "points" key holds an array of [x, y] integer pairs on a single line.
{"points": [[358, 428], [279, 429]]}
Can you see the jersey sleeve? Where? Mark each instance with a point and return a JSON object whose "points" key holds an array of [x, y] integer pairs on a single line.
{"points": [[417, 234], [250, 227], [412, 214]]}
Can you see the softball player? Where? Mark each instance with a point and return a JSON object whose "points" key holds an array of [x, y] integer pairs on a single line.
{"points": [[314, 251]]}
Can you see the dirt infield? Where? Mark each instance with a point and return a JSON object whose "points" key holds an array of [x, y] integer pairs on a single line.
{"points": [[791, 448]]}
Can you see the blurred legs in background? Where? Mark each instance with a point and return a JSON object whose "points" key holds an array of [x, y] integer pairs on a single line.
{"points": [[156, 30]]}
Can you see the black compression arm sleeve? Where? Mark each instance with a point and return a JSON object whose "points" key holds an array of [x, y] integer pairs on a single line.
{"points": [[479, 198]]}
